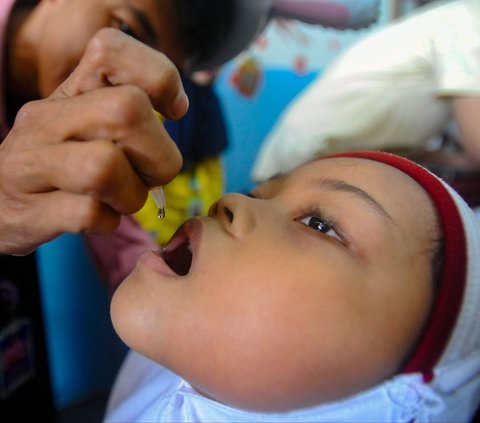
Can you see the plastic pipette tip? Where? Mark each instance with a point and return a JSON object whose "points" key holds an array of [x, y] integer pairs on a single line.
{"points": [[159, 198]]}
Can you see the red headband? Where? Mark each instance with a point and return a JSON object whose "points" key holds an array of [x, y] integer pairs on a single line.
{"points": [[453, 276]]}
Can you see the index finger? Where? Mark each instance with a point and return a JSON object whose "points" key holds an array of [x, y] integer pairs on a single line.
{"points": [[113, 58]]}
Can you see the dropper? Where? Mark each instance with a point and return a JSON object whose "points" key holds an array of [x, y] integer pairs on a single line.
{"points": [[157, 192], [159, 198]]}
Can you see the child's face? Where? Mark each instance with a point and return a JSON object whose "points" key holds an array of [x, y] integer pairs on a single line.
{"points": [[69, 24], [314, 289]]}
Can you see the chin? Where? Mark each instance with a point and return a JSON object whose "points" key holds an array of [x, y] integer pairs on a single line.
{"points": [[123, 320]]}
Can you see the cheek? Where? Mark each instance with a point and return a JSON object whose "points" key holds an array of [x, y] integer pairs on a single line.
{"points": [[263, 300], [56, 65], [269, 330], [60, 55]]}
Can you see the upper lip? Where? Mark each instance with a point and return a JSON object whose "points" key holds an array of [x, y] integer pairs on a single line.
{"points": [[178, 253]]}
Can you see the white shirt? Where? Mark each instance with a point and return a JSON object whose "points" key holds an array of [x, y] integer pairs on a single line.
{"points": [[147, 392]]}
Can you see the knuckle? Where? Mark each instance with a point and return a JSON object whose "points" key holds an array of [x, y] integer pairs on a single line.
{"points": [[26, 113], [107, 34], [100, 46], [127, 104], [98, 169]]}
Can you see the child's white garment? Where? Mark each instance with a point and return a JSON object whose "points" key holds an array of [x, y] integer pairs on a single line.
{"points": [[147, 392], [391, 89]]}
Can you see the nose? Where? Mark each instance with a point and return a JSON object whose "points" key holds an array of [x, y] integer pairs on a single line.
{"points": [[236, 212]]}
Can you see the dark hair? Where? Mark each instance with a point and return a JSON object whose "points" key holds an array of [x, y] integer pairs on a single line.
{"points": [[204, 25]]}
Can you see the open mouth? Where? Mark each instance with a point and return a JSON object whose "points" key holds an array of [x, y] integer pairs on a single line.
{"points": [[177, 253]]}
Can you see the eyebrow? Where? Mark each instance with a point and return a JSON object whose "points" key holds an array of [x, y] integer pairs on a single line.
{"points": [[145, 22], [342, 186]]}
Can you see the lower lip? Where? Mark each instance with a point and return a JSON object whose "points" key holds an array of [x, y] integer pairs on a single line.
{"points": [[155, 262]]}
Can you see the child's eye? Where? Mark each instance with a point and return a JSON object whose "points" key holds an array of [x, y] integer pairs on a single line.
{"points": [[320, 224]]}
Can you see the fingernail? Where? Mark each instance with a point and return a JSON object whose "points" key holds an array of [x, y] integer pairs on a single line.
{"points": [[180, 105]]}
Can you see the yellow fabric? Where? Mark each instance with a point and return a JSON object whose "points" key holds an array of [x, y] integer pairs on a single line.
{"points": [[191, 193]]}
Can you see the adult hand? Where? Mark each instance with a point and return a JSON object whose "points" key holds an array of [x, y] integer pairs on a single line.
{"points": [[77, 160]]}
